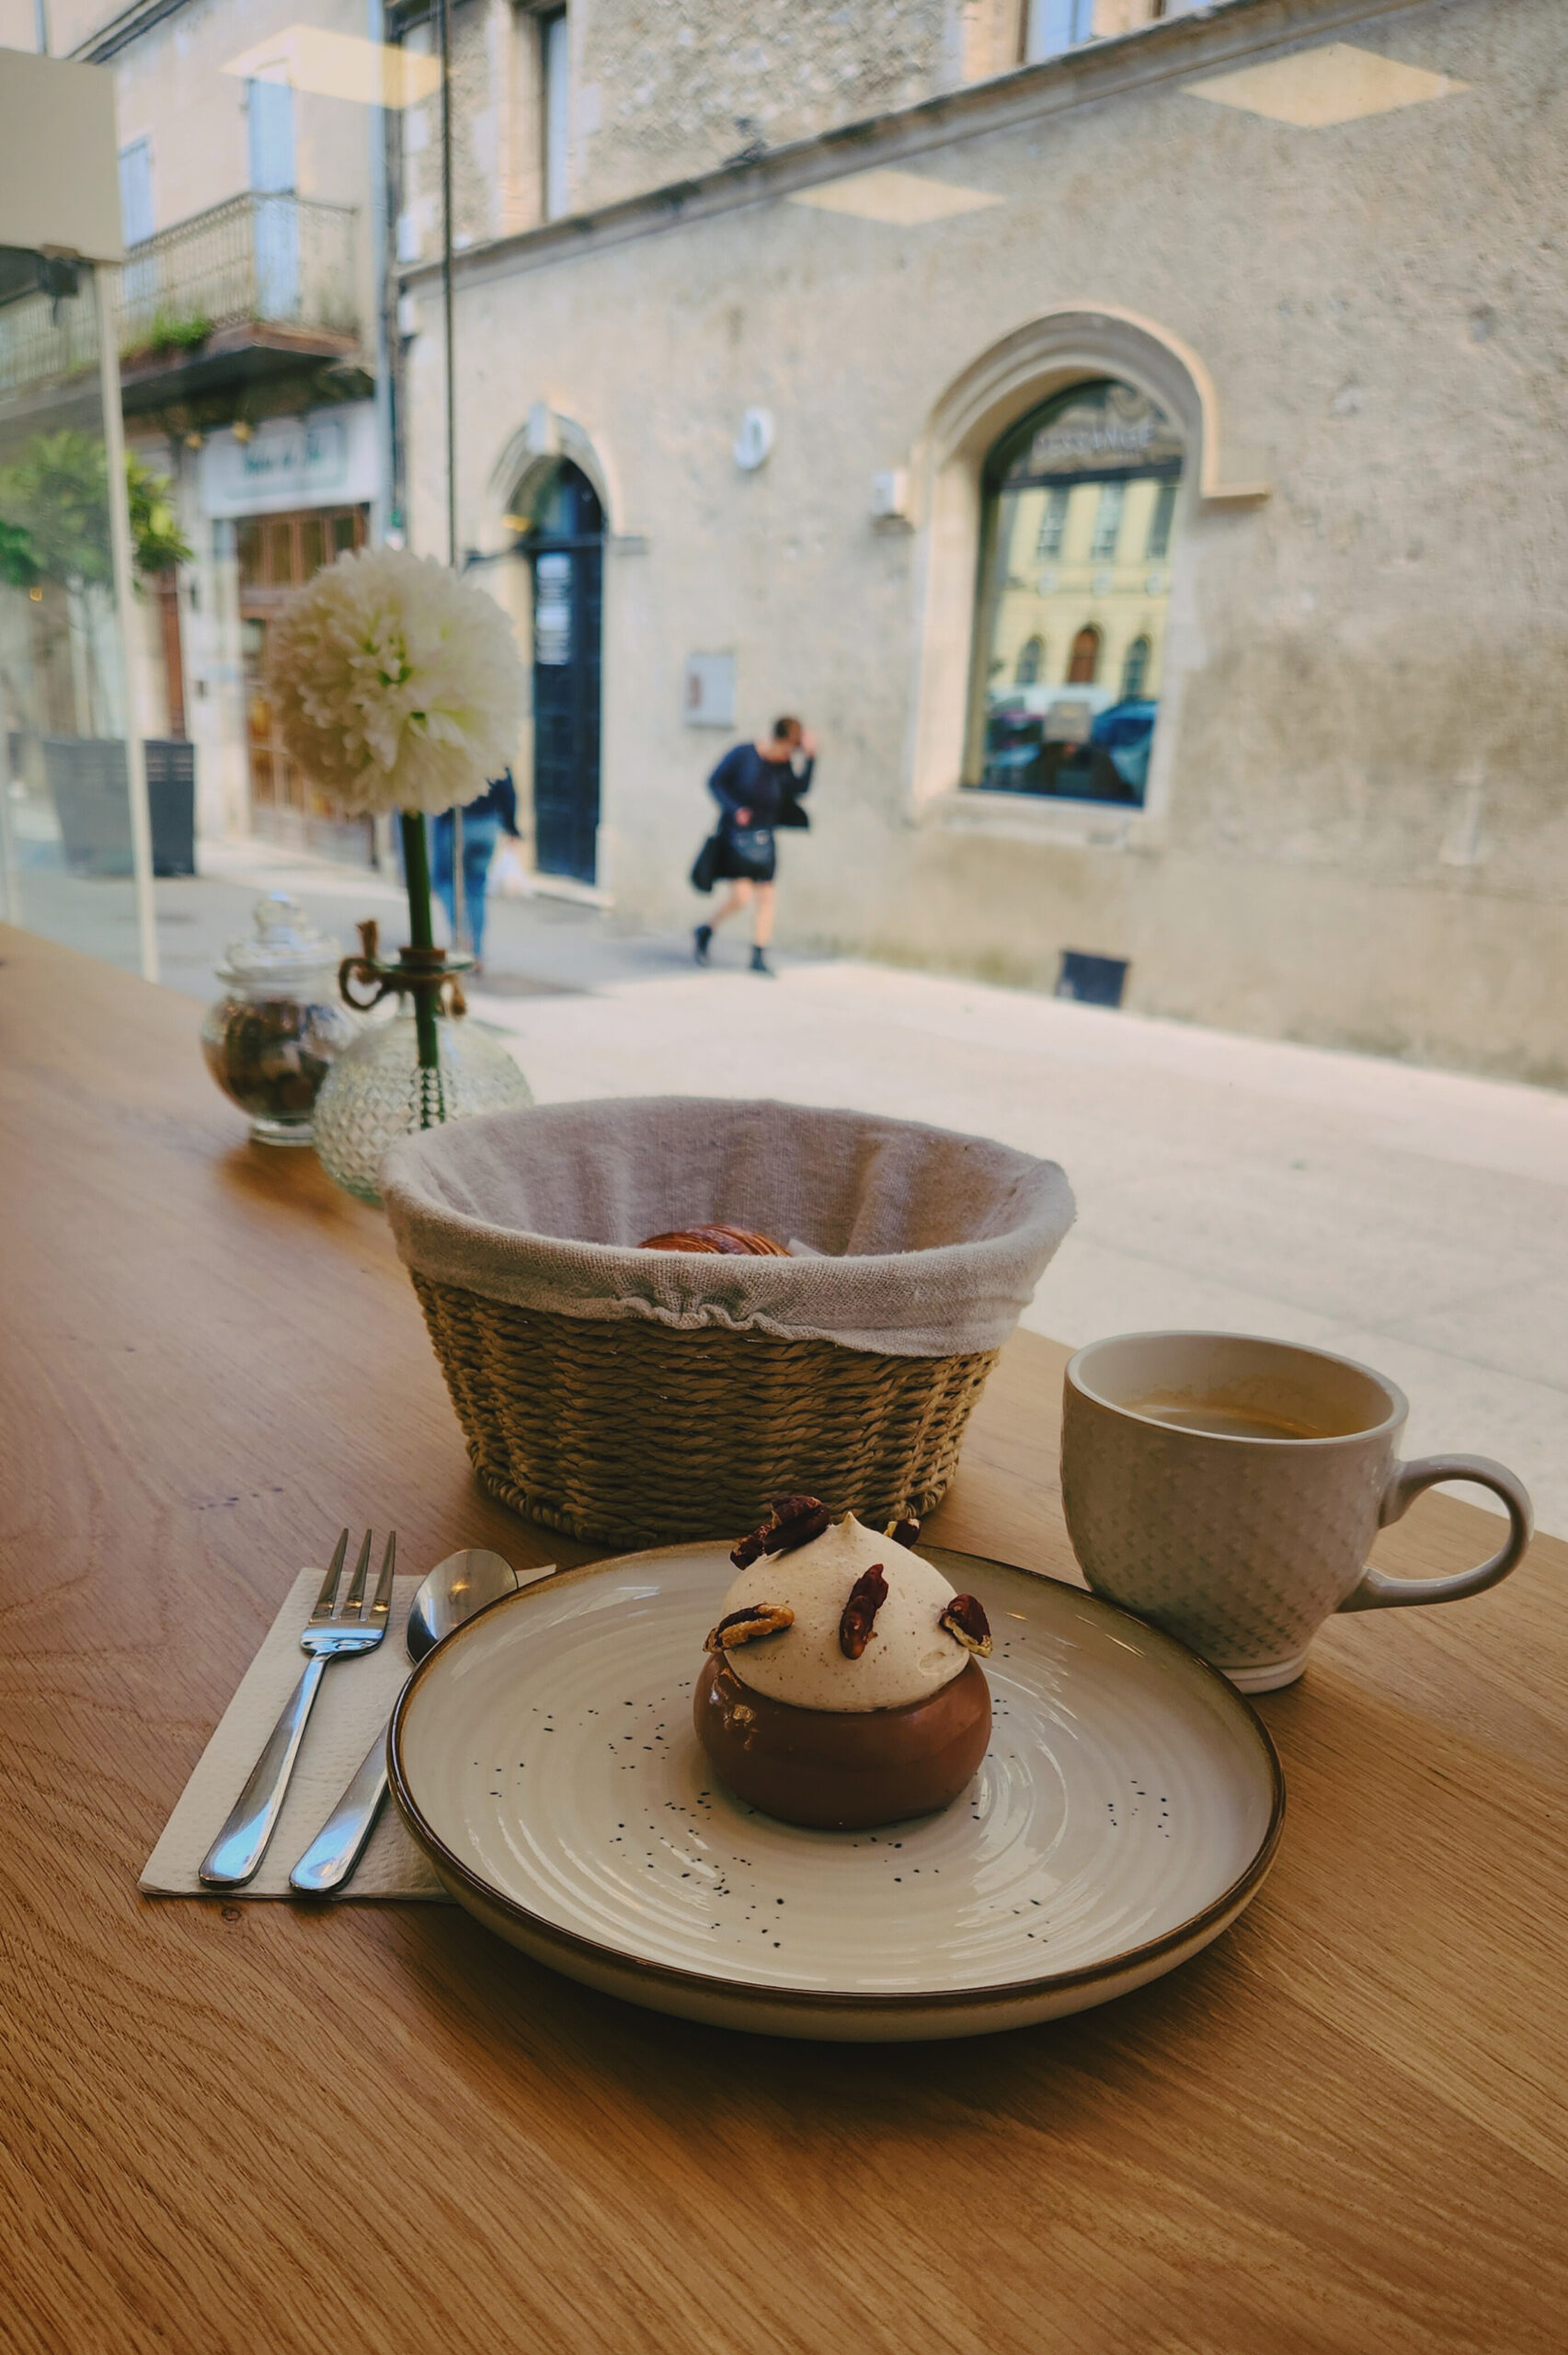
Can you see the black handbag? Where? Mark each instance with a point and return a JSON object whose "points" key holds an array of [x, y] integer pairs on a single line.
{"points": [[792, 814], [705, 870], [748, 852]]}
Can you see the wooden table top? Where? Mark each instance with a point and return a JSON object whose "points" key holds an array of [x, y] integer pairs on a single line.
{"points": [[1341, 2128]]}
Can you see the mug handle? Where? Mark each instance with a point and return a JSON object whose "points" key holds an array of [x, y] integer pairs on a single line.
{"points": [[1406, 1484]]}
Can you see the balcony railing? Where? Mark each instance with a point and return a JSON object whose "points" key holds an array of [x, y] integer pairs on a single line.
{"points": [[284, 261], [281, 262]]}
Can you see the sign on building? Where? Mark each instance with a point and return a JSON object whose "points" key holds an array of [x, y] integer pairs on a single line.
{"points": [[326, 458], [707, 697]]}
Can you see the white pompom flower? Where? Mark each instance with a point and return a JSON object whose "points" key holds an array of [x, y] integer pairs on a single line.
{"points": [[397, 685]]}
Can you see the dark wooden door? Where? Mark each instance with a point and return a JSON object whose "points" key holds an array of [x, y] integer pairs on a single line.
{"points": [[566, 551], [276, 553]]}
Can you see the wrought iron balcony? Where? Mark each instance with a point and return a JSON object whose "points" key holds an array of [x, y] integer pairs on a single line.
{"points": [[270, 273], [278, 261]]}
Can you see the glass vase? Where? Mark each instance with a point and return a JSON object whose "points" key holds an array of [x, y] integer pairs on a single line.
{"points": [[377, 1091]]}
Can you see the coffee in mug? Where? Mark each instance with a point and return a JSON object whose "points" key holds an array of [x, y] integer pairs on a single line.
{"points": [[1229, 1488]]}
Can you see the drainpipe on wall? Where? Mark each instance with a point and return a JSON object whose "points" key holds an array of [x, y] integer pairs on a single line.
{"points": [[383, 503], [461, 928]]}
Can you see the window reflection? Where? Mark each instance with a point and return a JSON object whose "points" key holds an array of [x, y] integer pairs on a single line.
{"points": [[1079, 498]]}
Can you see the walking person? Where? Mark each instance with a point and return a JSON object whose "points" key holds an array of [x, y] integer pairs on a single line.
{"points": [[758, 789], [483, 823]]}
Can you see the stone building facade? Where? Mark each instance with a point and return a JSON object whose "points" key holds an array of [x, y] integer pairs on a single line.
{"points": [[781, 350], [663, 91]]}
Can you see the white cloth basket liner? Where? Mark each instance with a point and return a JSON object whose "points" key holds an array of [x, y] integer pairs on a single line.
{"points": [[934, 1242]]}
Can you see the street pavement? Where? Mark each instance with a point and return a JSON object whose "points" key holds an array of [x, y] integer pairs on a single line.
{"points": [[1415, 1220]]}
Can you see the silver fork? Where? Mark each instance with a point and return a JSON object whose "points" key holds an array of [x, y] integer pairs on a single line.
{"points": [[329, 1633]]}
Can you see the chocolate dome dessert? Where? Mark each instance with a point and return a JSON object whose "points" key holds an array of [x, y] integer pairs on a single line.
{"points": [[843, 1687]]}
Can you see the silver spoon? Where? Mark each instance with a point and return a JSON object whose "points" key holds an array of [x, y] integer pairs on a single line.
{"points": [[453, 1592]]}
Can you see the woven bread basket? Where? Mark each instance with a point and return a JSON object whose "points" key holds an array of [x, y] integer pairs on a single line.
{"points": [[637, 1397]]}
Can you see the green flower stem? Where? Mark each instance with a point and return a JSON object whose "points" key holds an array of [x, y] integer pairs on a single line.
{"points": [[417, 867]]}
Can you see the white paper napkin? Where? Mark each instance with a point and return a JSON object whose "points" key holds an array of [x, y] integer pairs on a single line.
{"points": [[352, 1706]]}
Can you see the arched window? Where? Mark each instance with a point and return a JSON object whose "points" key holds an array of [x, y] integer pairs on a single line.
{"points": [[1084, 663], [1078, 496]]}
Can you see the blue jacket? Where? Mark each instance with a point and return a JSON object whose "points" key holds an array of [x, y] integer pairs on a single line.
{"points": [[744, 780]]}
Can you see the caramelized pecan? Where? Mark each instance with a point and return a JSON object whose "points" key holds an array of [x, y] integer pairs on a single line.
{"points": [[903, 1532], [794, 1520], [867, 1596], [966, 1621], [745, 1626]]}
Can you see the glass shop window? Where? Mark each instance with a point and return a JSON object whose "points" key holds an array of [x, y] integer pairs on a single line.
{"points": [[1080, 500]]}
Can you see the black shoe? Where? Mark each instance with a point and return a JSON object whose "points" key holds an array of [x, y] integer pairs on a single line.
{"points": [[703, 939], [761, 965]]}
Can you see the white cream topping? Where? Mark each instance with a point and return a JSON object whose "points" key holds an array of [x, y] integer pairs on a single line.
{"points": [[908, 1656]]}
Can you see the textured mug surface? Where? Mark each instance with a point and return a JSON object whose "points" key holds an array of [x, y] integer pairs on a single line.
{"points": [[1242, 1545]]}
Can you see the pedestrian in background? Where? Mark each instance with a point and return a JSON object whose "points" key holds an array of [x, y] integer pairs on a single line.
{"points": [[759, 788], [483, 823]]}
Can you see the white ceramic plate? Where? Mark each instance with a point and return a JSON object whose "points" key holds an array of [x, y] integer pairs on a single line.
{"points": [[1126, 1811]]}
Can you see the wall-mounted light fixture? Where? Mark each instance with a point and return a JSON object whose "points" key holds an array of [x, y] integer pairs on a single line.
{"points": [[754, 439], [890, 496]]}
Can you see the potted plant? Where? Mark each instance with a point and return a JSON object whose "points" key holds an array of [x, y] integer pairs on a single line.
{"points": [[54, 543]]}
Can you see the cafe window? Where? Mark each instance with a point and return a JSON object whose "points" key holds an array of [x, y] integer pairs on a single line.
{"points": [[1090, 479]]}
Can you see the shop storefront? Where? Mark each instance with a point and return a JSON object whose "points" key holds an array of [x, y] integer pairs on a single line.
{"points": [[278, 503]]}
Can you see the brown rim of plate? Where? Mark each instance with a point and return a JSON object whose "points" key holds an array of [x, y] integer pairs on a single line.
{"points": [[1214, 1915]]}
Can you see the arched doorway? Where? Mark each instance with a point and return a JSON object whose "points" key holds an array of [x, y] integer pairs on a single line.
{"points": [[1077, 506], [565, 548], [1084, 663]]}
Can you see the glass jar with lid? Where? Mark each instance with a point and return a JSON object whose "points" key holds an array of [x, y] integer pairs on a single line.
{"points": [[270, 1039]]}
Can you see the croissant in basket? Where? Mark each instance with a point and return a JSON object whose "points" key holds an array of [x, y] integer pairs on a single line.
{"points": [[738, 1240]]}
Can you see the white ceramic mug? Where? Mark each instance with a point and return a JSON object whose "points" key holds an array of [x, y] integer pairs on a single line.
{"points": [[1242, 1524]]}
